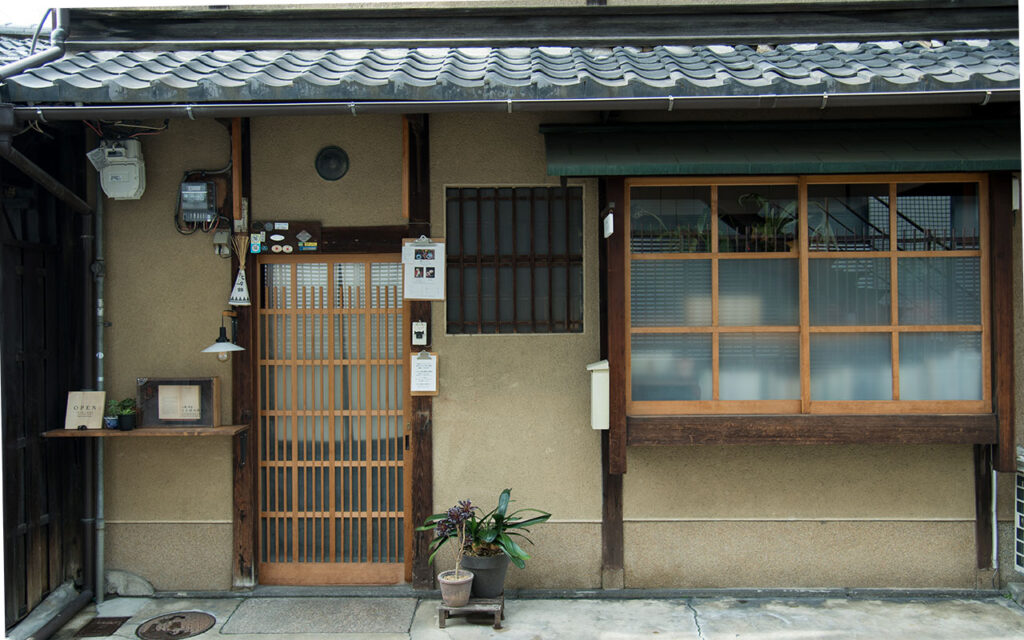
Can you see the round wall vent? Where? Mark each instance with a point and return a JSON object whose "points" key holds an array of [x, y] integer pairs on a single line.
{"points": [[331, 163]]}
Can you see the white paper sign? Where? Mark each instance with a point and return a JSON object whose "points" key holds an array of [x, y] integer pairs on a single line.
{"points": [[424, 270], [423, 374], [85, 409]]}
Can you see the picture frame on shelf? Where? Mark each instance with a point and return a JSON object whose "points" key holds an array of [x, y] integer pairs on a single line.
{"points": [[179, 402]]}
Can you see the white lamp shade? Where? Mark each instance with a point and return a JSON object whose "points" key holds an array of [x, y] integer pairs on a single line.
{"points": [[222, 344]]}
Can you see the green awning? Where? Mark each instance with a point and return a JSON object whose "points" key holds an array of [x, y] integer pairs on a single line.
{"points": [[783, 148]]}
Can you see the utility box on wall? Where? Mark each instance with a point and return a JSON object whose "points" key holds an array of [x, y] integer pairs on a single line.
{"points": [[599, 392]]}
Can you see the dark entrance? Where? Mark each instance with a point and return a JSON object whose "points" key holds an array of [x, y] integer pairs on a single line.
{"points": [[42, 292]]}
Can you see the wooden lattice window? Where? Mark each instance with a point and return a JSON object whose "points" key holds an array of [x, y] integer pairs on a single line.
{"points": [[808, 295], [514, 259]]}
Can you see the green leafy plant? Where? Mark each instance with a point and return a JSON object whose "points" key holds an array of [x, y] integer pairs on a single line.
{"points": [[486, 534], [124, 407]]}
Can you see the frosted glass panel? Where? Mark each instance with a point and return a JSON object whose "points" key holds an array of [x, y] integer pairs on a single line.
{"points": [[670, 219], [849, 291], [763, 366], [848, 217], [671, 367], [671, 293], [757, 218], [758, 292], [936, 217], [940, 366], [851, 366], [940, 290]]}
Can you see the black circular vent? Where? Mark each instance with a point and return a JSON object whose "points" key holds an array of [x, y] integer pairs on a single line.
{"points": [[331, 163]]}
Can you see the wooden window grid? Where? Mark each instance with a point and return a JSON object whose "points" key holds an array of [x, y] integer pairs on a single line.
{"points": [[514, 260], [801, 251]]}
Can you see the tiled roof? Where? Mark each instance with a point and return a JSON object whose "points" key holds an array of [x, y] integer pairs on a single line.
{"points": [[518, 73], [13, 48]]}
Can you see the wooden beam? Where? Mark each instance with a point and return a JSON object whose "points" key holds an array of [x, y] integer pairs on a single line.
{"points": [[615, 189], [813, 429], [612, 534], [245, 451], [421, 407], [383, 239], [236, 173], [1001, 225], [983, 505]]}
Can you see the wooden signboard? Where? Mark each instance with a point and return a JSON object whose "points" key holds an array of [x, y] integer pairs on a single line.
{"points": [[85, 410]]}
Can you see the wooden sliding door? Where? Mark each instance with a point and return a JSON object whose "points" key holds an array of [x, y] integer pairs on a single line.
{"points": [[332, 424]]}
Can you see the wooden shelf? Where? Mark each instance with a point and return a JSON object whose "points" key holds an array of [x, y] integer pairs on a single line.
{"points": [[147, 432]]}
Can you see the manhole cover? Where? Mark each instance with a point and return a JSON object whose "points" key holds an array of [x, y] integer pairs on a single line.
{"points": [[171, 626]]}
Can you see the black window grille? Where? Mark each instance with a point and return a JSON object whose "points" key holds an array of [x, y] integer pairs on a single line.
{"points": [[514, 259]]}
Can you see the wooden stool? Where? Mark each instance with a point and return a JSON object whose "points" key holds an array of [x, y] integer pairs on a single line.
{"points": [[494, 606]]}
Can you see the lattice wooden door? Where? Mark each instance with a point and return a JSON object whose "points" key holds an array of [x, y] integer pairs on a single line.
{"points": [[331, 421]]}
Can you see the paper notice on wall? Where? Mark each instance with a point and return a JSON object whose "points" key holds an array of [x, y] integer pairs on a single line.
{"points": [[423, 374], [423, 267], [179, 402]]}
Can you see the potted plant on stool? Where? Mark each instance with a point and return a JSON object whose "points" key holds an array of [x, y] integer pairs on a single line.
{"points": [[455, 583], [489, 542], [492, 544]]}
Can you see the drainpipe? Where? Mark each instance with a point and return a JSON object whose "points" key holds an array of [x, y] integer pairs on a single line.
{"points": [[57, 42], [99, 272], [87, 351]]}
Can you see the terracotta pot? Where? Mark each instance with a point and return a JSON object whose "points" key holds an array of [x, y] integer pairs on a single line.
{"points": [[490, 574], [455, 591]]}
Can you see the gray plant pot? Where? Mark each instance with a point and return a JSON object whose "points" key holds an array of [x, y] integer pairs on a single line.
{"points": [[489, 574]]}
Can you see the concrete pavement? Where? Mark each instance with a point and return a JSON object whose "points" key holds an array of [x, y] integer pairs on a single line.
{"points": [[691, 618]]}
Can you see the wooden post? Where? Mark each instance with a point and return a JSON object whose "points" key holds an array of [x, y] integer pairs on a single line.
{"points": [[612, 544], [417, 153], [243, 374], [617, 329], [1001, 225], [983, 504]]}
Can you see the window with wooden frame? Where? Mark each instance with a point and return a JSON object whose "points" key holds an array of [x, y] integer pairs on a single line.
{"points": [[514, 259], [835, 294]]}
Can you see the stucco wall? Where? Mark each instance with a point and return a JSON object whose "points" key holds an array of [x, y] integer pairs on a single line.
{"points": [[514, 409], [285, 185], [164, 295]]}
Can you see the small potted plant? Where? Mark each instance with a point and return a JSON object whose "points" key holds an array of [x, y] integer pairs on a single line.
{"points": [[489, 542], [455, 583], [125, 411], [110, 417]]}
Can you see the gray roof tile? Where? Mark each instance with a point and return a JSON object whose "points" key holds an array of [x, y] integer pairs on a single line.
{"points": [[542, 72], [14, 48]]}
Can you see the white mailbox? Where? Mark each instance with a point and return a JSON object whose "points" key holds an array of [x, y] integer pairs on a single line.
{"points": [[598, 394]]}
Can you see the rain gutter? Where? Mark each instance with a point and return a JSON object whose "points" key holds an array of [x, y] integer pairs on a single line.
{"points": [[54, 112], [57, 44]]}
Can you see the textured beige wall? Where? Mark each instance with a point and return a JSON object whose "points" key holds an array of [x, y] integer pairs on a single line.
{"points": [[513, 410], [803, 554], [164, 295], [799, 482], [814, 516], [285, 185], [564, 555]]}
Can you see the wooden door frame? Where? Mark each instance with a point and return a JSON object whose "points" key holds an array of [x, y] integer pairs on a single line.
{"points": [[335, 240]]}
